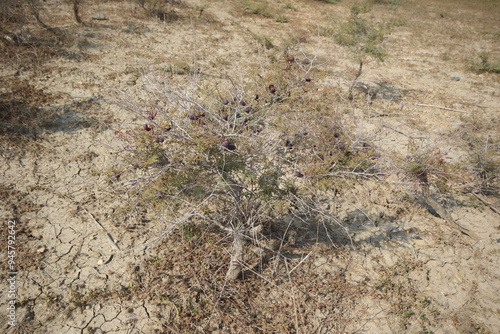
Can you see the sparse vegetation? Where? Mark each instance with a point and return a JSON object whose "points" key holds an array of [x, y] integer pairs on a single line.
{"points": [[411, 308], [22, 109], [481, 167], [264, 174], [386, 2], [11, 11], [281, 19], [484, 65], [259, 7], [265, 41], [291, 6], [165, 11], [328, 1], [180, 67], [362, 37]]}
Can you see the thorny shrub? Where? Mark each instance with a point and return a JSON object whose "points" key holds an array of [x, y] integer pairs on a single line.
{"points": [[247, 156], [240, 156]]}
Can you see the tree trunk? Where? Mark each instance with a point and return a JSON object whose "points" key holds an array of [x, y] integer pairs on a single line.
{"points": [[236, 264], [76, 9]]}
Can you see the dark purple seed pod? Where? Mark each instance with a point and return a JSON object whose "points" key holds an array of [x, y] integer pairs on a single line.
{"points": [[192, 116], [152, 115], [298, 174], [272, 89], [376, 156], [366, 145], [256, 97], [137, 165], [243, 103], [160, 140], [336, 134], [225, 117], [227, 144], [248, 109], [160, 195], [321, 156], [224, 102], [291, 59], [342, 146], [307, 79], [147, 127]]}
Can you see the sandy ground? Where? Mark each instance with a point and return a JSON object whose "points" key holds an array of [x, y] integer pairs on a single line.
{"points": [[80, 265]]}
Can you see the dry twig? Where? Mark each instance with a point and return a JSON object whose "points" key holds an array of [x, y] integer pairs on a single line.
{"points": [[487, 203], [439, 107], [110, 238]]}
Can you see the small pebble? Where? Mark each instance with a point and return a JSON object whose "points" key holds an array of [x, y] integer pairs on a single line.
{"points": [[99, 16]]}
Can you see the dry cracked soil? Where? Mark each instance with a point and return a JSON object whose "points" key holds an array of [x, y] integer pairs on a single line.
{"points": [[85, 266]]}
